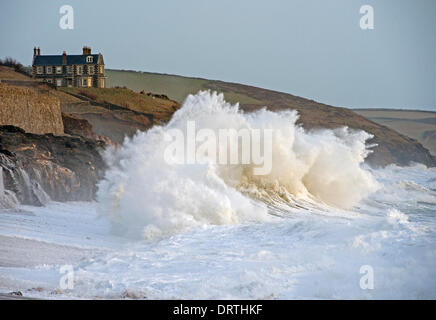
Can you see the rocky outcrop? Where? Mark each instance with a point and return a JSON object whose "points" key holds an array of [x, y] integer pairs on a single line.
{"points": [[30, 109], [81, 127], [154, 95], [36, 168], [77, 126], [112, 124], [401, 152]]}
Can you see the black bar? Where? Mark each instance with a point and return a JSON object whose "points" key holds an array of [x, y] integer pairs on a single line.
{"points": [[221, 309]]}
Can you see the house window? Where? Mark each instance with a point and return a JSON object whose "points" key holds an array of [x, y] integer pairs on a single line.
{"points": [[69, 69], [49, 70], [101, 69], [58, 69], [39, 70], [89, 59], [58, 82], [79, 69], [84, 82], [90, 69], [49, 80]]}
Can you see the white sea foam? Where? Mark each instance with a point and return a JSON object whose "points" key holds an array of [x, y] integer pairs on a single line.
{"points": [[220, 233], [145, 196], [307, 254]]}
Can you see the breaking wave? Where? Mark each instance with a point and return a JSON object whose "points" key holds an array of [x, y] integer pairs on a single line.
{"points": [[145, 196]]}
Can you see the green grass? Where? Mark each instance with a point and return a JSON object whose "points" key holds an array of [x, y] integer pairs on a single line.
{"points": [[175, 87]]}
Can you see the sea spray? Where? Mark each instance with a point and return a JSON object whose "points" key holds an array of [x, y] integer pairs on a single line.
{"points": [[145, 196]]}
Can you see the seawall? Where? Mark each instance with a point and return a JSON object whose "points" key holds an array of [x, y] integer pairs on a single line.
{"points": [[32, 110]]}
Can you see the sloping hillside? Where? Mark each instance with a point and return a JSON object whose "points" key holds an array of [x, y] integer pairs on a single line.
{"points": [[393, 147], [420, 125], [175, 87], [9, 74], [160, 107], [116, 112]]}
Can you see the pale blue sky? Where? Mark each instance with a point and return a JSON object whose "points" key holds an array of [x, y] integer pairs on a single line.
{"points": [[310, 48]]}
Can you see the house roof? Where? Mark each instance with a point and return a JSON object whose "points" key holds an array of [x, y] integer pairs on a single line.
{"points": [[56, 60]]}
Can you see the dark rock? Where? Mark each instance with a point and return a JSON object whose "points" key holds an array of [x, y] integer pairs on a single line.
{"points": [[81, 127], [7, 152], [159, 96], [13, 129], [37, 168]]}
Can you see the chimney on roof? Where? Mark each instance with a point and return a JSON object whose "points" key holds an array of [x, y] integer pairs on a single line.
{"points": [[35, 54], [86, 50], [64, 58], [38, 52]]}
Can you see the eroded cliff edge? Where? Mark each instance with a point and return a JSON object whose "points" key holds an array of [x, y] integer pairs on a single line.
{"points": [[44, 154]]}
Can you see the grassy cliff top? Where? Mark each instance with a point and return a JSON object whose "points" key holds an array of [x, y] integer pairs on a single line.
{"points": [[9, 73]]}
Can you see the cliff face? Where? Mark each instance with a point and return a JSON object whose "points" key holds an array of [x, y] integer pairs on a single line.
{"points": [[116, 112], [44, 154], [35, 112], [76, 126], [36, 168]]}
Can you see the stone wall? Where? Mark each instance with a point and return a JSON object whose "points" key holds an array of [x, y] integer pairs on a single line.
{"points": [[33, 111]]}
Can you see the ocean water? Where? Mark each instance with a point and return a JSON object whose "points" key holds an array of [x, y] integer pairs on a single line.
{"points": [[207, 231]]}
